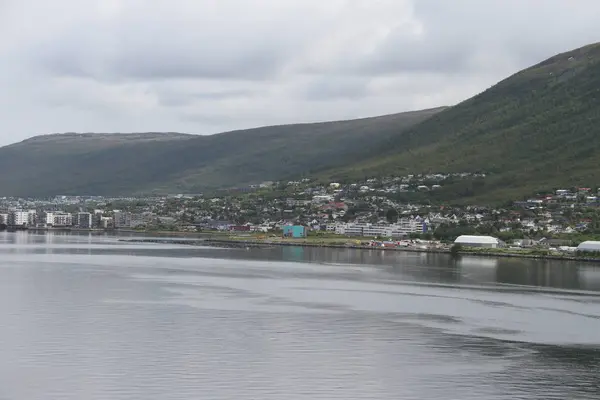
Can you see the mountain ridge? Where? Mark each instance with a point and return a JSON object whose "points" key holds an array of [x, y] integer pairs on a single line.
{"points": [[537, 129], [110, 164]]}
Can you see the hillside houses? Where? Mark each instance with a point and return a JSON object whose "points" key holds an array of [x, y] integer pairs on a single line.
{"points": [[373, 207]]}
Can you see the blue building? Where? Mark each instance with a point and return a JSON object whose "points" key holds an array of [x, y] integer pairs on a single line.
{"points": [[294, 231]]}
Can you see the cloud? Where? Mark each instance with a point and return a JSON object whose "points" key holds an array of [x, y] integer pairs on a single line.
{"points": [[204, 66]]}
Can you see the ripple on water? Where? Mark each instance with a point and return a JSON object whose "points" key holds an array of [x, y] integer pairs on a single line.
{"points": [[129, 327]]}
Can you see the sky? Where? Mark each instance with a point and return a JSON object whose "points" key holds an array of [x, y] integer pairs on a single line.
{"points": [[208, 66]]}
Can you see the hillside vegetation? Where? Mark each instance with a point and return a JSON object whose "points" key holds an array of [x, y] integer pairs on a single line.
{"points": [[535, 130], [116, 164]]}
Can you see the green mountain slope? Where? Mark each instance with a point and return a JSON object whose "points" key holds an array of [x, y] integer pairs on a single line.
{"points": [[112, 164], [535, 130]]}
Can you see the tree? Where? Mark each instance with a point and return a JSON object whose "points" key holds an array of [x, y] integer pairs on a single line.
{"points": [[391, 215], [455, 249], [329, 215]]}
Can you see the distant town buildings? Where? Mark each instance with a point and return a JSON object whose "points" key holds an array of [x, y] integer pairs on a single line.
{"points": [[386, 209]]}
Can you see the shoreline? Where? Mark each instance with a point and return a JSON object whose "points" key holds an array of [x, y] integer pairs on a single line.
{"points": [[232, 243], [224, 240]]}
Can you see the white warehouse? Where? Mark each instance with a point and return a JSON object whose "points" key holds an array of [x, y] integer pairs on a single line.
{"points": [[479, 241], [589, 245]]}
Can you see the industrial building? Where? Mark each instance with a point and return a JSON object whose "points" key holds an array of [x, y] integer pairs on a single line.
{"points": [[479, 241], [589, 246]]}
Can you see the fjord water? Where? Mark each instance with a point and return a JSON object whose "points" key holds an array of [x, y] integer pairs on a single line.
{"points": [[90, 317]]}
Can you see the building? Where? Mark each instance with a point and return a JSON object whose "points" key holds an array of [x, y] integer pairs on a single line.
{"points": [[97, 218], [63, 219], [18, 218], [122, 219], [294, 231], [49, 218], [322, 198], [589, 246], [406, 226], [402, 228], [105, 222], [239, 228], [297, 203], [479, 241], [58, 219], [377, 230], [350, 229], [83, 220], [32, 218]]}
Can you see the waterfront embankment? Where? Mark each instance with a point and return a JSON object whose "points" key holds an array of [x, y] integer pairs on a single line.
{"points": [[262, 243]]}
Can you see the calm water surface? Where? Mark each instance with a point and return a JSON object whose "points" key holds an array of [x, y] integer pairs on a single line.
{"points": [[89, 317]]}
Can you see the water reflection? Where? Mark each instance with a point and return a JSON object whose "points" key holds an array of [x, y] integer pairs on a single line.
{"points": [[89, 317], [438, 268]]}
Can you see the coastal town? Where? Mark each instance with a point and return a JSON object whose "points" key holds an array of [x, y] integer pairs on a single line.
{"points": [[372, 212]]}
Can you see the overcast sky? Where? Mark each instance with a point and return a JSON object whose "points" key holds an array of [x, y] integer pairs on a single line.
{"points": [[207, 66]]}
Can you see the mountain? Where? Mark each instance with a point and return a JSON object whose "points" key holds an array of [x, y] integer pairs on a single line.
{"points": [[114, 164], [536, 130]]}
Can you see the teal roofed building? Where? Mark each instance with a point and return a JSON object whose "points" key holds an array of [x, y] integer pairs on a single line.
{"points": [[294, 231]]}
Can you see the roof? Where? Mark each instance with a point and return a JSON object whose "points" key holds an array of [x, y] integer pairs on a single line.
{"points": [[476, 239], [589, 245]]}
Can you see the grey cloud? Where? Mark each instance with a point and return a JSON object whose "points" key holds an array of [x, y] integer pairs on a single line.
{"points": [[207, 66], [173, 98], [150, 46], [522, 32], [458, 36], [146, 61], [331, 87], [400, 54]]}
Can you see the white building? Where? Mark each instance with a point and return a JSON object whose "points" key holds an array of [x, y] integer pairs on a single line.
{"points": [[406, 226], [59, 219], [589, 245], [351, 229], [50, 218], [18, 218], [297, 202], [322, 198], [377, 230], [478, 241], [402, 228]]}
